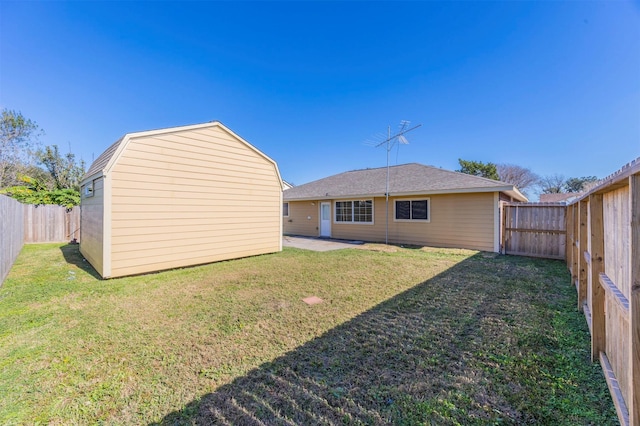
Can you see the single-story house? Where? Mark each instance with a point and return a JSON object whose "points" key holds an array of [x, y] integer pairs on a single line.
{"points": [[177, 197], [426, 206]]}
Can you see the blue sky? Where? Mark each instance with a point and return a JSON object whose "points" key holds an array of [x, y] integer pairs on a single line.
{"points": [[553, 86]]}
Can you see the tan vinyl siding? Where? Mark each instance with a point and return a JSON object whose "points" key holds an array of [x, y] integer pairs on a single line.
{"points": [[92, 225], [456, 220], [298, 222], [191, 197]]}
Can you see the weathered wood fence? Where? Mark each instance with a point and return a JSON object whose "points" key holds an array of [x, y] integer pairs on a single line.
{"points": [[534, 229], [603, 255], [26, 223], [11, 233], [51, 224]]}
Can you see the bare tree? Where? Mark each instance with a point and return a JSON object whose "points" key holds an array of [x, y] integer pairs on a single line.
{"points": [[552, 184], [521, 177]]}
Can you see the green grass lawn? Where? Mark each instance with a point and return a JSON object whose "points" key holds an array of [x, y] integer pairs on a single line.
{"points": [[404, 336]]}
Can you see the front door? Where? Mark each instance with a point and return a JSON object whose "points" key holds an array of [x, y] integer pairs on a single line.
{"points": [[325, 219]]}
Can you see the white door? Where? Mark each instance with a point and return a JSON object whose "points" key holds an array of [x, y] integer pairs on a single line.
{"points": [[325, 219]]}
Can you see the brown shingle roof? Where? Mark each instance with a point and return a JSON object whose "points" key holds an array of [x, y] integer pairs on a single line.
{"points": [[560, 197], [103, 159], [404, 179]]}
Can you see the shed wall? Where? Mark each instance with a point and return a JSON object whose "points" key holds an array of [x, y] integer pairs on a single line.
{"points": [[92, 226], [191, 197]]}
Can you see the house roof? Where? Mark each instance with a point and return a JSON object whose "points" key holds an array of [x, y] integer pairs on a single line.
{"points": [[107, 159], [404, 179]]}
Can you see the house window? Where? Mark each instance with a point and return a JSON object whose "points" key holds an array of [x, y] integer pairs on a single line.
{"points": [[412, 210], [359, 211], [285, 209]]}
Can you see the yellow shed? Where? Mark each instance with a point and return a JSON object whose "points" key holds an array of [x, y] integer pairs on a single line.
{"points": [[177, 197]]}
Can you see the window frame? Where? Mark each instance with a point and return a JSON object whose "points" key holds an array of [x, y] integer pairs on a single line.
{"points": [[353, 212], [411, 200], [288, 209], [87, 190]]}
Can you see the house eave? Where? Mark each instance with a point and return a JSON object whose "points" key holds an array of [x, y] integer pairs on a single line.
{"points": [[507, 189]]}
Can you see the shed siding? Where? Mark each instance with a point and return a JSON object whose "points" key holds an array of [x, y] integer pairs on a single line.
{"points": [[191, 197], [457, 220], [302, 219], [92, 226]]}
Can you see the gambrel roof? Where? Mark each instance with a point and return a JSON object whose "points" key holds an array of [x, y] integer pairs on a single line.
{"points": [[110, 155], [404, 180]]}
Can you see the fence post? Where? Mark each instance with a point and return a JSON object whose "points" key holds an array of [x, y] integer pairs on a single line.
{"points": [[567, 237], [574, 247], [503, 227], [582, 263], [598, 329], [571, 237], [634, 302]]}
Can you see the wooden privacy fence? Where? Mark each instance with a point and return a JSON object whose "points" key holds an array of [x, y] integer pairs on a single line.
{"points": [[11, 233], [534, 229], [44, 224], [27, 223], [603, 255]]}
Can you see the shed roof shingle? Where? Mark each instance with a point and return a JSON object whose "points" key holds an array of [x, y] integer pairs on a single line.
{"points": [[103, 159], [410, 178]]}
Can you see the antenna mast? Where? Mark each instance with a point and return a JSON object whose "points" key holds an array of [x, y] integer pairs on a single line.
{"points": [[390, 142]]}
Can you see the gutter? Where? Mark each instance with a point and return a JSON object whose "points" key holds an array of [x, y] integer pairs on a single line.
{"points": [[508, 189]]}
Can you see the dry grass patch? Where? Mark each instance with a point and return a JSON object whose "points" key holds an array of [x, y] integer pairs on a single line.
{"points": [[405, 336]]}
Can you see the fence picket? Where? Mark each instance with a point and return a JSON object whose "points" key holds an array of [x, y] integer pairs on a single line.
{"points": [[11, 233], [535, 229], [609, 237]]}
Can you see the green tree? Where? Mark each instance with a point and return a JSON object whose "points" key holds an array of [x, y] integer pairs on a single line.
{"points": [[478, 168], [18, 139], [65, 171], [59, 181], [578, 184], [34, 191]]}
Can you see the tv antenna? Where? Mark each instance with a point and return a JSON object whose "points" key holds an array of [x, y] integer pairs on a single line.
{"points": [[390, 142]]}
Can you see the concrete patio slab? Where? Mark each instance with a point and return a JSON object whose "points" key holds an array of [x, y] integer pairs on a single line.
{"points": [[318, 244]]}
